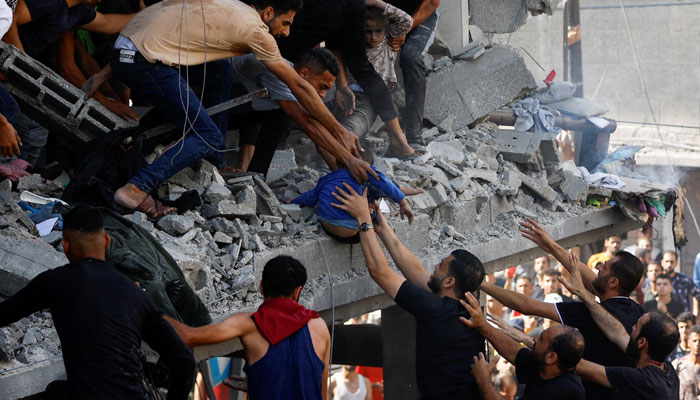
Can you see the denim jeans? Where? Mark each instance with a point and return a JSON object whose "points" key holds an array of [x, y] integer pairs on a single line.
{"points": [[170, 93], [8, 106], [413, 69]]}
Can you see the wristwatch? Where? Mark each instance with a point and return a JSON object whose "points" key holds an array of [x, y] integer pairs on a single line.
{"points": [[364, 227]]}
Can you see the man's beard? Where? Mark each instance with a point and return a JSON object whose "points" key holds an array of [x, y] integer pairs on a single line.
{"points": [[599, 284], [632, 351], [435, 284]]}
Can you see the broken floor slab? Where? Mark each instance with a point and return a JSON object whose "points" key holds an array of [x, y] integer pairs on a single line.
{"points": [[506, 16], [469, 90]]}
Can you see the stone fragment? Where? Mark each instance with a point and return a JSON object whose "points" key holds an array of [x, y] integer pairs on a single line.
{"points": [[452, 150], [461, 183], [450, 230], [244, 206], [6, 185], [524, 212], [283, 163], [541, 189], [220, 237], [244, 278], [517, 146], [176, 224], [430, 133], [447, 124], [574, 188], [216, 193], [293, 210], [448, 167], [482, 174]]}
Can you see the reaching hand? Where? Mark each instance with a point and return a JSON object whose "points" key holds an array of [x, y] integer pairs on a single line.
{"points": [[396, 43], [575, 284], [533, 231], [510, 331], [405, 211], [345, 99], [482, 368], [121, 109], [354, 204], [9, 139], [360, 170], [476, 318], [351, 142]]}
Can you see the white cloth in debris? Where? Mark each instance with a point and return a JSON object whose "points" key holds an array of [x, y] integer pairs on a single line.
{"points": [[601, 179], [5, 18], [529, 113]]}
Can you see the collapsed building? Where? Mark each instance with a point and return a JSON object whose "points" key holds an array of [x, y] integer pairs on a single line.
{"points": [[479, 182]]}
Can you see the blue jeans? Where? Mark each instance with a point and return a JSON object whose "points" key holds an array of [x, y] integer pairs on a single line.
{"points": [[170, 94], [8, 106]]}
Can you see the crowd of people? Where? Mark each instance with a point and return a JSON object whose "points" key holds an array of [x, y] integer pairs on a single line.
{"points": [[620, 326]]}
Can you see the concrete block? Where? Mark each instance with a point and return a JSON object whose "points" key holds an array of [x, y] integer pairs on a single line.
{"points": [[244, 206], [506, 16], [471, 89], [448, 167], [23, 257], [541, 189], [499, 205], [452, 150], [482, 174], [282, 164], [293, 210], [447, 124], [461, 183], [466, 216], [215, 193], [176, 224], [574, 188], [517, 146]]}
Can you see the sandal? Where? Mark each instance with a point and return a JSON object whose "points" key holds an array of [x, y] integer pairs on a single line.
{"points": [[153, 209], [409, 157]]}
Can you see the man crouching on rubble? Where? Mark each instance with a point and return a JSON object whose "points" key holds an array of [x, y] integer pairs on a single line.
{"points": [[101, 317], [444, 349], [287, 347]]}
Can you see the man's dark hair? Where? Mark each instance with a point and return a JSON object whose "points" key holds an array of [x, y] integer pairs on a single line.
{"points": [[569, 347], [83, 219], [523, 276], [281, 276], [280, 6], [675, 255], [628, 270], [375, 14], [664, 276], [686, 316], [318, 60], [695, 329], [642, 253], [662, 334], [467, 270], [551, 272]]}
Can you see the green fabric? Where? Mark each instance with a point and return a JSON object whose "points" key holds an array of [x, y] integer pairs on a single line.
{"points": [[658, 204], [139, 256], [86, 40]]}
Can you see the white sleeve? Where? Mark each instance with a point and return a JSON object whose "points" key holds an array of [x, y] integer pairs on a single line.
{"points": [[5, 18]]}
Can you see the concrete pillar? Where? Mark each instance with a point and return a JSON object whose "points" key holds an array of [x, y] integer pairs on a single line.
{"points": [[453, 25], [399, 354]]}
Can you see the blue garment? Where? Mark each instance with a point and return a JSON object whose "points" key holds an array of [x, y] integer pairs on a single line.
{"points": [[322, 193], [164, 88], [696, 270], [8, 106], [50, 19], [290, 370]]}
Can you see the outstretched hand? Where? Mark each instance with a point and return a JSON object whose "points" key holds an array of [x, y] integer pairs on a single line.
{"points": [[352, 202], [482, 368], [533, 231], [575, 283], [360, 170], [476, 319]]}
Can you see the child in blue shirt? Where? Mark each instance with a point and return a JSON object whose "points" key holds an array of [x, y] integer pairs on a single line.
{"points": [[337, 223]]}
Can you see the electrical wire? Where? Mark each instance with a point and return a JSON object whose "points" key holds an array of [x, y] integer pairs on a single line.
{"points": [[330, 283], [651, 109]]}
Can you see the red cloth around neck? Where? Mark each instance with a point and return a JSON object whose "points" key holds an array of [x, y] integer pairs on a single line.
{"points": [[278, 318]]}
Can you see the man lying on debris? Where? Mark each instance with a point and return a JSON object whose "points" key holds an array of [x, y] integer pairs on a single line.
{"points": [[340, 225], [101, 318], [319, 67], [148, 48], [287, 347], [444, 346]]}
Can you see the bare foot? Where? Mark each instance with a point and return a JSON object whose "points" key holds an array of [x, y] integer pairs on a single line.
{"points": [[401, 150], [129, 196], [410, 191]]}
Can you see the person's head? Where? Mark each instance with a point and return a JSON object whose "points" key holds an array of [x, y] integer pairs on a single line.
{"points": [[504, 367], [550, 281], [653, 270], [319, 67], [283, 276], [560, 346], [84, 234], [663, 285], [694, 341], [506, 384], [655, 332], [349, 368], [669, 262], [618, 276], [375, 24], [644, 255], [278, 15], [645, 243], [456, 274], [523, 285], [494, 306], [685, 321], [541, 264], [613, 244]]}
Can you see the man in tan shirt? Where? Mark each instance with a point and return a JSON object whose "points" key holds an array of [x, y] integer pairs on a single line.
{"points": [[195, 38]]}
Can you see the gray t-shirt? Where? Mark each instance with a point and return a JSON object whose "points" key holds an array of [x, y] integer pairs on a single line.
{"points": [[254, 76]]}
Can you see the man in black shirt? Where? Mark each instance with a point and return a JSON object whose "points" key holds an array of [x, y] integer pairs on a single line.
{"points": [[653, 338], [615, 281], [664, 302], [444, 346], [413, 47], [547, 370], [101, 318]]}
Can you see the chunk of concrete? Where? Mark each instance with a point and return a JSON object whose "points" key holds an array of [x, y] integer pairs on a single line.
{"points": [[293, 210], [506, 16], [574, 188], [483, 174], [283, 163], [517, 146], [452, 150], [447, 124], [215, 193], [176, 224], [471, 90], [244, 206], [22, 257]]}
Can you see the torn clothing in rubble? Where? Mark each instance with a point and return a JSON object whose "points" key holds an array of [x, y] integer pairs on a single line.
{"points": [[101, 317], [529, 114]]}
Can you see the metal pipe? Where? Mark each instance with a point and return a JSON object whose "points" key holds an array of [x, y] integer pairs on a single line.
{"points": [[504, 117]]}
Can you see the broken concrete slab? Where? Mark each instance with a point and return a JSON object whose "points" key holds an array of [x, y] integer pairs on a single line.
{"points": [[244, 206], [471, 90], [517, 146], [176, 224], [506, 16], [452, 150], [283, 162], [487, 175], [573, 187], [215, 193]]}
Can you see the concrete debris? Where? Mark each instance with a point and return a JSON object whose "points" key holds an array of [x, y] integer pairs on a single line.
{"points": [[505, 16], [283, 163], [216, 193], [176, 224], [452, 150]]}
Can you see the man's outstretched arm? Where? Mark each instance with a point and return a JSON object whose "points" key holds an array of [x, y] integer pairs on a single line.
{"points": [[533, 231], [593, 372], [356, 206], [611, 327], [521, 303], [234, 326]]}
